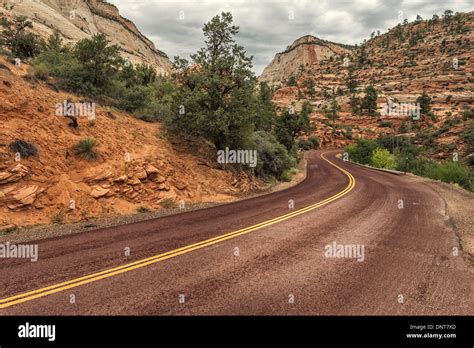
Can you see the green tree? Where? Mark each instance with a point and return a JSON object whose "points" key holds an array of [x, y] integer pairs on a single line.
{"points": [[332, 113], [310, 88], [382, 158], [218, 96], [369, 101], [100, 60], [291, 124], [17, 39], [292, 81], [424, 100]]}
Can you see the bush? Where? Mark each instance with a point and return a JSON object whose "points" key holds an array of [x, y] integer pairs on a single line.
{"points": [[40, 71], [167, 203], [142, 210], [273, 157], [288, 174], [308, 144], [451, 172], [386, 124], [85, 149], [58, 218], [24, 148], [14, 36], [382, 158], [361, 151], [468, 134]]}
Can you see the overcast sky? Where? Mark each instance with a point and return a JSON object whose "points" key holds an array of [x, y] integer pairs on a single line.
{"points": [[268, 26]]}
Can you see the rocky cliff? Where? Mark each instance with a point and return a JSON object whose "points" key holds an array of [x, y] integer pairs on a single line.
{"points": [[305, 52], [79, 19]]}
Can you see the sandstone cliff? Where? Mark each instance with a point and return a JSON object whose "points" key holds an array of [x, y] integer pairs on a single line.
{"points": [[305, 52], [79, 19]]}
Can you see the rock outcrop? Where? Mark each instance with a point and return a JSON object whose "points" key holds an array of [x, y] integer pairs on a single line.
{"points": [[79, 19], [304, 52]]}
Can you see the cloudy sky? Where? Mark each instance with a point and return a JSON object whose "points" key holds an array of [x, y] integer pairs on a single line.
{"points": [[268, 26]]}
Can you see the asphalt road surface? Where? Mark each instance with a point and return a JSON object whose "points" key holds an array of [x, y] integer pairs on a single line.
{"points": [[265, 255]]}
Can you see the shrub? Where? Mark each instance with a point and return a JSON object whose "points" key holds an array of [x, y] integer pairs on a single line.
{"points": [[167, 203], [468, 134], [451, 172], [142, 210], [58, 218], [273, 157], [382, 158], [21, 43], [308, 144], [24, 148], [386, 124], [40, 71], [362, 150], [85, 149], [288, 174]]}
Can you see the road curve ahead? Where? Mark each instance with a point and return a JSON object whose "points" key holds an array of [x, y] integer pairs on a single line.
{"points": [[346, 240]]}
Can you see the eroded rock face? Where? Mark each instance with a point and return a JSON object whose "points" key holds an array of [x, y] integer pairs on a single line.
{"points": [[13, 174], [76, 20], [305, 51], [23, 196]]}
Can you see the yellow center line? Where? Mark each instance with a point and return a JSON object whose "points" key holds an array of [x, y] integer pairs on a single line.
{"points": [[31, 295]]}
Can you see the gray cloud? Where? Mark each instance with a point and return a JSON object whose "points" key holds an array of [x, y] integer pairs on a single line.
{"points": [[268, 27]]}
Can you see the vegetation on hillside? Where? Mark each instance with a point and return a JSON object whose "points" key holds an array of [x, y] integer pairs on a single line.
{"points": [[382, 153], [214, 96]]}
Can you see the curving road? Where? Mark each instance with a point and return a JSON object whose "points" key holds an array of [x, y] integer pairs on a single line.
{"points": [[260, 256]]}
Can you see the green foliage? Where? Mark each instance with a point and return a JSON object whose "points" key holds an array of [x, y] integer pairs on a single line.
{"points": [[382, 158], [40, 71], [167, 203], [450, 172], [332, 113], [361, 151], [273, 157], [218, 98], [468, 135], [292, 124], [291, 81], [425, 102], [369, 101], [85, 149], [99, 60], [143, 210], [310, 88], [386, 124], [406, 157], [312, 142], [17, 39], [58, 218]]}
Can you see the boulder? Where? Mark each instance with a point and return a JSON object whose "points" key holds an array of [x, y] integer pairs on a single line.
{"points": [[98, 192]]}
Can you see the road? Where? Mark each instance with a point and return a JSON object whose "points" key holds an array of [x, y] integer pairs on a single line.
{"points": [[261, 256]]}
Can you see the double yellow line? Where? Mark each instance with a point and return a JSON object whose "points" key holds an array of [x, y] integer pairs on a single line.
{"points": [[31, 295]]}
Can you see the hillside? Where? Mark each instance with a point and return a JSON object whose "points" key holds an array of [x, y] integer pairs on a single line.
{"points": [[76, 20], [40, 189], [428, 55]]}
